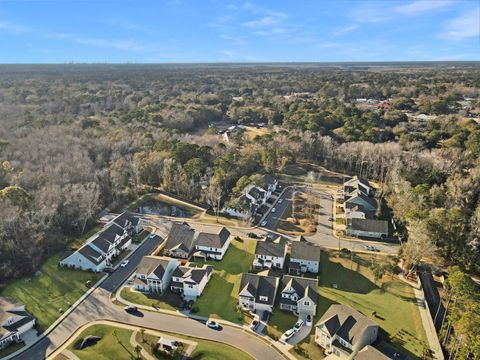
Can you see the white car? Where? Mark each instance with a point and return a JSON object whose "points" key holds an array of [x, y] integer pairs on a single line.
{"points": [[264, 223], [152, 235], [273, 210], [298, 325], [280, 201], [124, 263], [213, 324], [308, 321], [287, 335]]}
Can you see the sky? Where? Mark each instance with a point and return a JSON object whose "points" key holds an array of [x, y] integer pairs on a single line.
{"points": [[143, 31]]}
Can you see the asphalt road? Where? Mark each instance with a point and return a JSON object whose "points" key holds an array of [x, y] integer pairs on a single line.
{"points": [[272, 219], [98, 306]]}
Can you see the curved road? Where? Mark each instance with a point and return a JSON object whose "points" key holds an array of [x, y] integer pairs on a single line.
{"points": [[98, 306]]}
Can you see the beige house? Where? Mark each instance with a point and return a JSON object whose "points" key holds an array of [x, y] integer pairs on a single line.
{"points": [[343, 331]]}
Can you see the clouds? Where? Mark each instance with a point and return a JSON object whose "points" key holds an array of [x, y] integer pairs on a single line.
{"points": [[345, 29], [422, 6], [463, 27]]}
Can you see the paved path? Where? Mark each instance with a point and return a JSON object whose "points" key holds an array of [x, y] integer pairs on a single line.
{"points": [[98, 306], [134, 343]]}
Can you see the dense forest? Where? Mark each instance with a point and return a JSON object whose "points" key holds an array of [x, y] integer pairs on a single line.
{"points": [[75, 139]]}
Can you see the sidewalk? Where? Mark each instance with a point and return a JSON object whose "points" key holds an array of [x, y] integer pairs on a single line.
{"points": [[427, 321], [283, 348]]}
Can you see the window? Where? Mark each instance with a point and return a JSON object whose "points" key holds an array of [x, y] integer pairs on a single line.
{"points": [[263, 298], [190, 286], [306, 303]]}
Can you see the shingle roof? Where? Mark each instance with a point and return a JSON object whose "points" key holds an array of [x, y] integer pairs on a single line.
{"points": [[258, 285], [268, 179], [126, 218], [305, 251], [370, 353], [111, 231], [302, 286], [370, 225], [346, 322], [368, 199], [153, 265], [270, 248], [181, 236], [256, 193], [213, 240], [91, 254], [102, 244]]}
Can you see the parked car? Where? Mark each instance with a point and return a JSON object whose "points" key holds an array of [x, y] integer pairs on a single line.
{"points": [[330, 218], [131, 309], [264, 223], [308, 320], [151, 236], [254, 325], [298, 325], [273, 210], [124, 263], [108, 270], [280, 201], [265, 316], [345, 250], [253, 235], [213, 324], [287, 335]]}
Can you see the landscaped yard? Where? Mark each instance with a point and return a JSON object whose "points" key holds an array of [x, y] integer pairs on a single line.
{"points": [[54, 289], [167, 301], [11, 349], [219, 299], [115, 344]]}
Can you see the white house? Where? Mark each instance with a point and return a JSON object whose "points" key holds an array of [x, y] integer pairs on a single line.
{"points": [[154, 273], [304, 257], [344, 331], [102, 248], [258, 194], [257, 292], [212, 245], [15, 326], [190, 281], [269, 254], [299, 295], [359, 199]]}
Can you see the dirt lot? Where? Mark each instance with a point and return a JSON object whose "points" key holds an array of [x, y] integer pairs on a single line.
{"points": [[299, 218]]}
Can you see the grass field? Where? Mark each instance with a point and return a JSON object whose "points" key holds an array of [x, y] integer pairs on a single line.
{"points": [[115, 344], [145, 299], [219, 299], [54, 289]]}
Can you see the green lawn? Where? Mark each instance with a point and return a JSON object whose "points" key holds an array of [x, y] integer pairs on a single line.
{"points": [[115, 344], [145, 299], [54, 289], [219, 299], [11, 349], [393, 300]]}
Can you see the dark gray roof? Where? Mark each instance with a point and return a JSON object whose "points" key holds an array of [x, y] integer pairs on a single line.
{"points": [[126, 219], [370, 225], [302, 286], [368, 199], [270, 248], [346, 322], [256, 193], [391, 352], [91, 254], [259, 285], [213, 240], [181, 236], [111, 231], [268, 179], [196, 274], [20, 318], [102, 244], [305, 251]]}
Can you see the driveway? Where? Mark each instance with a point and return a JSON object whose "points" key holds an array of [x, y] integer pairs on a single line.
{"points": [[271, 218], [98, 306]]}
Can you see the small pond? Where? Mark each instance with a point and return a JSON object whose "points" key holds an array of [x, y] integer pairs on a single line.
{"points": [[156, 207]]}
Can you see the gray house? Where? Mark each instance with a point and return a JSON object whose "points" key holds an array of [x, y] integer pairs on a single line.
{"points": [[367, 228], [270, 254], [15, 326], [304, 257], [344, 331], [257, 292], [181, 241], [299, 295]]}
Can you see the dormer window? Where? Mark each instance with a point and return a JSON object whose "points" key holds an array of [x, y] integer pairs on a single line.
{"points": [[263, 298]]}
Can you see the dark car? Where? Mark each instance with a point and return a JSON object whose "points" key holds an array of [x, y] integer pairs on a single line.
{"points": [[345, 250], [108, 270], [131, 309], [253, 235], [265, 316]]}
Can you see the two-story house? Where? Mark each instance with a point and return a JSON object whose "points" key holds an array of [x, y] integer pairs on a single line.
{"points": [[181, 241], [270, 254], [257, 292], [344, 331], [190, 281], [213, 244], [15, 326], [133, 224], [299, 295], [154, 273], [258, 194], [304, 257]]}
